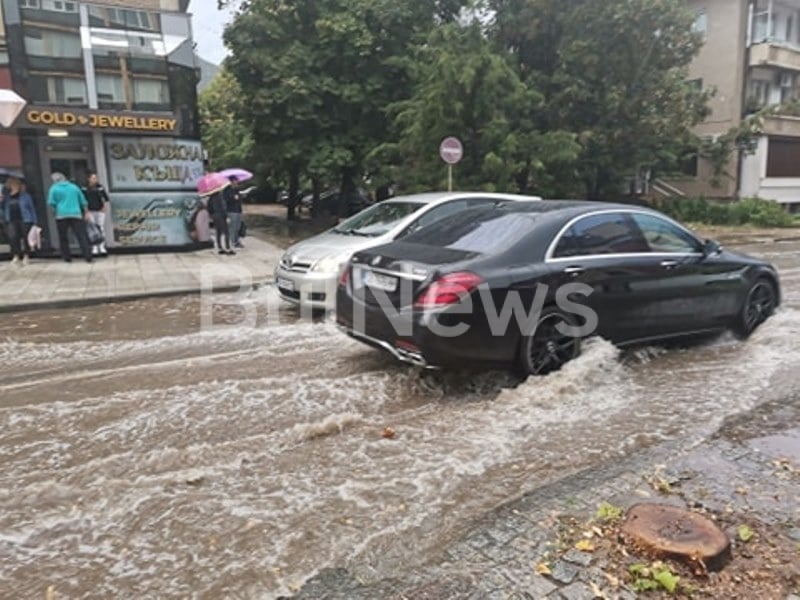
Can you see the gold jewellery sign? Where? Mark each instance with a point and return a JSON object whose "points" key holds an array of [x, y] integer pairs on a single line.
{"points": [[91, 120]]}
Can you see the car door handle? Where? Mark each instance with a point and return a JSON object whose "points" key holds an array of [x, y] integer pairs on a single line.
{"points": [[669, 264], [574, 271]]}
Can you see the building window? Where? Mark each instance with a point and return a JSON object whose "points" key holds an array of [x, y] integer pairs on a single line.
{"points": [[45, 42], [783, 157], [700, 22], [150, 94], [67, 6], [110, 91], [758, 94], [29, 3], [53, 89], [124, 18], [786, 84], [690, 164]]}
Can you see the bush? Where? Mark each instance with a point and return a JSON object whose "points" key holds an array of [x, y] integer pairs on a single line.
{"points": [[749, 211]]}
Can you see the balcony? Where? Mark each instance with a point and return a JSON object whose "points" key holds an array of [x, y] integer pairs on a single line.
{"points": [[782, 125], [775, 54]]}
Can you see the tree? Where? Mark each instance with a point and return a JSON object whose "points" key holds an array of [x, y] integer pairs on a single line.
{"points": [[226, 136], [317, 74], [462, 87], [613, 73]]}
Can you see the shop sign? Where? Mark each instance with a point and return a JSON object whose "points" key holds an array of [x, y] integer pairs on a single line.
{"points": [[155, 219], [94, 120], [141, 163]]}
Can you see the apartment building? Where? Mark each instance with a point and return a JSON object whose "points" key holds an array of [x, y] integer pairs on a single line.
{"points": [[751, 57], [108, 86]]}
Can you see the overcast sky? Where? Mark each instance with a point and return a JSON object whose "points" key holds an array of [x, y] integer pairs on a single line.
{"points": [[208, 24]]}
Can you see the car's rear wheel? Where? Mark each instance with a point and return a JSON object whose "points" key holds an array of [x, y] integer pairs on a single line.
{"points": [[549, 348], [759, 305]]}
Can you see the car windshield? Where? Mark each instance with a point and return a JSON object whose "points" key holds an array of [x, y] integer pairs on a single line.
{"points": [[480, 231], [378, 219]]}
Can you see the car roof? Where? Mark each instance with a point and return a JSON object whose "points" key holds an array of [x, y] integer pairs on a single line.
{"points": [[437, 197]]}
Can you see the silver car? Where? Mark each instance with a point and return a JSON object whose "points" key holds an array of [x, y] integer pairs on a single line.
{"points": [[309, 270]]}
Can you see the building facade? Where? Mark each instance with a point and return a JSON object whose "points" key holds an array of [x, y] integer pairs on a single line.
{"points": [[110, 87], [751, 58]]}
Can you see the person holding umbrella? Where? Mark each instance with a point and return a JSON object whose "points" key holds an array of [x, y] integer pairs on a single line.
{"points": [[212, 186], [19, 214], [233, 202]]}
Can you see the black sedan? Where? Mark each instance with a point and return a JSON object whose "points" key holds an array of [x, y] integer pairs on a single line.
{"points": [[521, 284]]}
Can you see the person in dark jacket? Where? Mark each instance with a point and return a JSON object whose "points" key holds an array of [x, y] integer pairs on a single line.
{"points": [[233, 204], [219, 215], [97, 199], [19, 214]]}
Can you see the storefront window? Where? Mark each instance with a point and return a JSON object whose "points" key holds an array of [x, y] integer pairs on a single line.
{"points": [[53, 89]]}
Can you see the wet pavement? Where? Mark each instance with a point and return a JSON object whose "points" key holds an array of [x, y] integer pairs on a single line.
{"points": [[167, 448]]}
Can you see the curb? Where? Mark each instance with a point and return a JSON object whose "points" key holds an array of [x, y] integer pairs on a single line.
{"points": [[83, 302]]}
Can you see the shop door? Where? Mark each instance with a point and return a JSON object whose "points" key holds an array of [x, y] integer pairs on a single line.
{"points": [[76, 168]]}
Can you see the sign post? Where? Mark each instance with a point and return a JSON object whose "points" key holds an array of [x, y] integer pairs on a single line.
{"points": [[451, 152]]}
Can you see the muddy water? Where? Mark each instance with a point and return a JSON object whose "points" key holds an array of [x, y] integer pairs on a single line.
{"points": [[144, 457]]}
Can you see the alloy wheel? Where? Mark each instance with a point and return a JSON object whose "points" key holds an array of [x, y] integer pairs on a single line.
{"points": [[549, 348], [759, 306]]}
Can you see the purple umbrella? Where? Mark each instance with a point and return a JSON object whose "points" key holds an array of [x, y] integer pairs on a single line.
{"points": [[240, 174], [211, 183]]}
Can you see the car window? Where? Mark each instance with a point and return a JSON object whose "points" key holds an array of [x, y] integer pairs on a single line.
{"points": [[483, 231], [378, 219], [608, 233], [443, 211], [663, 236]]}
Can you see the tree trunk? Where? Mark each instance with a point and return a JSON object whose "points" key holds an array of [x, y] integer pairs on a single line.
{"points": [[294, 189], [347, 191]]}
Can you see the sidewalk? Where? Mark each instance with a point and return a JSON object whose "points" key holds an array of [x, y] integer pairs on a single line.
{"points": [[53, 283], [748, 474]]}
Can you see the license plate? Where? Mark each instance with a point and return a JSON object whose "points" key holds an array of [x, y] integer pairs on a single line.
{"points": [[377, 281], [286, 284]]}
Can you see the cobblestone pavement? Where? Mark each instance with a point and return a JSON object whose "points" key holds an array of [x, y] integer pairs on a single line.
{"points": [[750, 468]]}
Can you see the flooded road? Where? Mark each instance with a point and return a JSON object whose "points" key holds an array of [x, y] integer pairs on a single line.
{"points": [[142, 455]]}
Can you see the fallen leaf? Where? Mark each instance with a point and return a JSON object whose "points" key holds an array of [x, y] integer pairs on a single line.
{"points": [[745, 533], [585, 546], [389, 433], [613, 581], [50, 594], [598, 593], [543, 569], [597, 531]]}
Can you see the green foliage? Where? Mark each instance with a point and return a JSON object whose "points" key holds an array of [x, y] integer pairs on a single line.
{"points": [[613, 73], [318, 74], [609, 512], [461, 86], [749, 211], [226, 135], [647, 578]]}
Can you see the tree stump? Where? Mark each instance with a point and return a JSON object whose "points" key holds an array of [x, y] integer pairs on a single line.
{"points": [[673, 532]]}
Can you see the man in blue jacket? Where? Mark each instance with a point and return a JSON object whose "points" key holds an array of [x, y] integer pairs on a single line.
{"points": [[70, 208]]}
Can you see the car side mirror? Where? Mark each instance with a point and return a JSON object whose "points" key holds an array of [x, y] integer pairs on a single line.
{"points": [[711, 247]]}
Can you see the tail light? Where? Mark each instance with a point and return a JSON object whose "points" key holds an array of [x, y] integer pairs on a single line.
{"points": [[344, 278], [448, 289]]}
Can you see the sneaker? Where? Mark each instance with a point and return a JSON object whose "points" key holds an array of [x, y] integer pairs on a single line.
{"points": [[25, 261], [222, 252], [231, 253], [15, 260]]}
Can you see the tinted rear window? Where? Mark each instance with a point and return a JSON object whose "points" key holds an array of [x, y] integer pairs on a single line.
{"points": [[481, 231]]}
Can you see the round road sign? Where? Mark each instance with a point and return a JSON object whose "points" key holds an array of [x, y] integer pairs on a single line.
{"points": [[451, 150]]}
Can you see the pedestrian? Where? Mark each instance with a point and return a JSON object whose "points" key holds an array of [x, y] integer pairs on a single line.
{"points": [[98, 201], [233, 204], [70, 206], [219, 215], [19, 214]]}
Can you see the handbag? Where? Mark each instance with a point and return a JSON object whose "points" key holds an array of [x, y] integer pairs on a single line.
{"points": [[35, 238], [94, 233]]}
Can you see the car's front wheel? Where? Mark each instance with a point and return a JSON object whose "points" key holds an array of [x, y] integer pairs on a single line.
{"points": [[550, 346], [759, 305]]}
